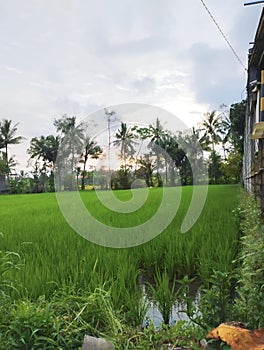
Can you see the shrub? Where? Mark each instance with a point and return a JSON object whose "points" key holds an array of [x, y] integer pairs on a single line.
{"points": [[60, 323], [250, 304]]}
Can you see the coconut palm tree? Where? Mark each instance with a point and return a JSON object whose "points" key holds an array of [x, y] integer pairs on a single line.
{"points": [[212, 129], [156, 132], [45, 148], [147, 165], [6, 165], [157, 136], [90, 148], [71, 136], [124, 140], [8, 137]]}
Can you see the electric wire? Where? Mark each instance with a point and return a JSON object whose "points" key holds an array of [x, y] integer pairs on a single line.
{"points": [[223, 34]]}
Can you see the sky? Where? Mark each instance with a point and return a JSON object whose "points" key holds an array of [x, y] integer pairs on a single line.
{"points": [[77, 57]]}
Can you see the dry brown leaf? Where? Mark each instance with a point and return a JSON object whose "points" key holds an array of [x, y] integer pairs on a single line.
{"points": [[238, 337]]}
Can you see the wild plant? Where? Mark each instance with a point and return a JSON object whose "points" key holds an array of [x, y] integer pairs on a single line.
{"points": [[9, 262], [249, 305], [60, 323], [216, 302]]}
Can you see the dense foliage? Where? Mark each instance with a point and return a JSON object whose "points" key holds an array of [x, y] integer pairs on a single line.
{"points": [[250, 304], [216, 144]]}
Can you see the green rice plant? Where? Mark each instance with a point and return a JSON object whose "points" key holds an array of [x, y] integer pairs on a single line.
{"points": [[53, 255], [9, 261], [75, 286], [164, 294], [137, 306], [125, 281]]}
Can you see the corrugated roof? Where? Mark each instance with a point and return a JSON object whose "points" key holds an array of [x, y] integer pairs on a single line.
{"points": [[257, 53]]}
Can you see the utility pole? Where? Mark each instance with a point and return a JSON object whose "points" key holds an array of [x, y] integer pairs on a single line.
{"points": [[110, 117]]}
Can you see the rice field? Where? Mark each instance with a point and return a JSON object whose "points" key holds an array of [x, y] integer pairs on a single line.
{"points": [[53, 256]]}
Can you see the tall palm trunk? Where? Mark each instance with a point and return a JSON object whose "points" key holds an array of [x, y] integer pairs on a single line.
{"points": [[7, 167], [83, 174]]}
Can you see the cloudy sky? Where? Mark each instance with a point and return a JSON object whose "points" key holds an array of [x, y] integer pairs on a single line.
{"points": [[76, 57]]}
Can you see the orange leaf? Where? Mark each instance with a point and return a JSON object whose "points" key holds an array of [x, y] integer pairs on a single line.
{"points": [[238, 337]]}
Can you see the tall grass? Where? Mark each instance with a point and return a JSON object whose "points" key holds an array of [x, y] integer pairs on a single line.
{"points": [[53, 255]]}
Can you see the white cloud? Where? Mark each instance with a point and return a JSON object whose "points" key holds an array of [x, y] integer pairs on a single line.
{"points": [[77, 56], [14, 70]]}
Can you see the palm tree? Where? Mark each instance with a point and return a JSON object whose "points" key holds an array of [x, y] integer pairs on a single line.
{"points": [[8, 137], [192, 163], [157, 136], [173, 156], [146, 169], [72, 136], [212, 129], [6, 165], [45, 148], [90, 149], [71, 133], [156, 132], [124, 139], [65, 124]]}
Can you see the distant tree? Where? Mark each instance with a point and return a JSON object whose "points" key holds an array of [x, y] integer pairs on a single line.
{"points": [[72, 135], [212, 129], [146, 168], [169, 144], [157, 134], [237, 125], [214, 169], [8, 137], [21, 183], [45, 149], [125, 140], [6, 165], [191, 162], [231, 167], [65, 124], [90, 148], [172, 155]]}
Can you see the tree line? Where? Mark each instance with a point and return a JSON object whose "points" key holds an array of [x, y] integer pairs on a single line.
{"points": [[152, 154]]}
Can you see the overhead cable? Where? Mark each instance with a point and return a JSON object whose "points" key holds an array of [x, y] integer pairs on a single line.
{"points": [[223, 35]]}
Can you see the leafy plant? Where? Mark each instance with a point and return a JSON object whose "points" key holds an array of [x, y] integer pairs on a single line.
{"points": [[60, 323], [249, 304], [216, 301], [182, 334]]}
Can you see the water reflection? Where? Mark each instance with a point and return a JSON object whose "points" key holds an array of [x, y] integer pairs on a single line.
{"points": [[179, 310]]}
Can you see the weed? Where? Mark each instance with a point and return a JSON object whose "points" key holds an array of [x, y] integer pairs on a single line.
{"points": [[249, 304]]}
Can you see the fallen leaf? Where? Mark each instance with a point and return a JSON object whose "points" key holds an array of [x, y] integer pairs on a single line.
{"points": [[238, 337]]}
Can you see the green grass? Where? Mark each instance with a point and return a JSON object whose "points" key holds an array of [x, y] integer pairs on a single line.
{"points": [[53, 255]]}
